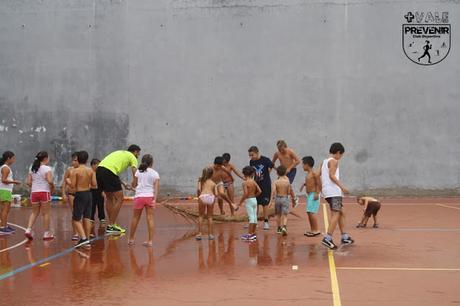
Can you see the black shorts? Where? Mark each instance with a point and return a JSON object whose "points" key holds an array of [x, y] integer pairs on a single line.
{"points": [[82, 205], [335, 203], [264, 198], [107, 180], [372, 209]]}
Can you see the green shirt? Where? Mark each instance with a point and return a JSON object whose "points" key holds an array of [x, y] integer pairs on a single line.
{"points": [[119, 161]]}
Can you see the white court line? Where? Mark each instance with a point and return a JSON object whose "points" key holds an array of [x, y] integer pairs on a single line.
{"points": [[447, 206], [18, 244], [397, 269]]}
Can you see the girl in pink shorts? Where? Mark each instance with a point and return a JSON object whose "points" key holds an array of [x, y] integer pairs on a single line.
{"points": [[147, 184], [40, 181], [206, 191]]}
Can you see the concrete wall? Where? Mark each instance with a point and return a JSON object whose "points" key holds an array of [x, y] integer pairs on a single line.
{"points": [[190, 79]]}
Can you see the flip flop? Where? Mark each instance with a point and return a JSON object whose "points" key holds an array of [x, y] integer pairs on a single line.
{"points": [[310, 234]]}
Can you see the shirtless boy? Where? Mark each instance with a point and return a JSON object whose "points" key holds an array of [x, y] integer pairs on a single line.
{"points": [[251, 191], [82, 179], [281, 190], [288, 158], [371, 207], [228, 182], [313, 186], [219, 173]]}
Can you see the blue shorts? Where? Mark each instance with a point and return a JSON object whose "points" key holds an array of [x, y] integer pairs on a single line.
{"points": [[291, 175], [312, 204], [251, 210]]}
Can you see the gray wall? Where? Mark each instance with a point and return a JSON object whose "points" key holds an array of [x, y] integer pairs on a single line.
{"points": [[191, 79]]}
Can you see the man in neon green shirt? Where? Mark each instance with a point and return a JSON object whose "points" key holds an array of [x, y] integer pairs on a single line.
{"points": [[108, 180]]}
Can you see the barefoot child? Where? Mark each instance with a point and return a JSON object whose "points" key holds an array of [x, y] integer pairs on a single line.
{"points": [[6, 191], [206, 192], [313, 187], [218, 176], [281, 190], [333, 191], [68, 194], [228, 182], [40, 181], [371, 207], [82, 180], [251, 191], [147, 184]]}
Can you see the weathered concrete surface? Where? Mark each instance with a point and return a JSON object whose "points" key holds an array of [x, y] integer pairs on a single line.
{"points": [[188, 80]]}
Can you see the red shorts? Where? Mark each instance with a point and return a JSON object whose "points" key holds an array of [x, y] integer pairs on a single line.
{"points": [[140, 203], [41, 196]]}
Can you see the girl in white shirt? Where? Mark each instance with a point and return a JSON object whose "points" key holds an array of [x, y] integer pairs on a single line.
{"points": [[147, 184], [40, 181]]}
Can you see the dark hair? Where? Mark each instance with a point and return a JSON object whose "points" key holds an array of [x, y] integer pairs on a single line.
{"points": [[95, 161], [308, 160], [42, 155], [226, 157], [147, 161], [281, 170], [206, 174], [248, 171], [6, 155], [281, 144], [134, 148], [82, 157], [219, 160], [337, 147], [253, 149], [74, 155]]}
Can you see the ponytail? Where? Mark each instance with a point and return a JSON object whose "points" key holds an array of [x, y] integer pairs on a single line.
{"points": [[6, 155], [147, 161], [38, 160]]}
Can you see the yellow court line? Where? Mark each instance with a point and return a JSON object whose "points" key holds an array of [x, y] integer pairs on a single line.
{"points": [[447, 206], [44, 265], [397, 269], [332, 270]]}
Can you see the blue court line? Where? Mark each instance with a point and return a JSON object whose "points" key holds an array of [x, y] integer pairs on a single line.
{"points": [[43, 260]]}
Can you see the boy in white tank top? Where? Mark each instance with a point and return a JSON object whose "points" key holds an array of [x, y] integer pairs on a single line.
{"points": [[333, 190]]}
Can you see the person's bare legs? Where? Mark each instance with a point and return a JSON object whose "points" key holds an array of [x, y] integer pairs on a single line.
{"points": [[209, 214], [117, 202], [87, 226], [278, 220], [45, 210], [223, 195], [284, 219], [5, 206], [252, 228], [375, 220], [109, 206], [220, 202], [78, 225], [342, 223], [363, 222], [231, 196], [201, 212], [33, 215], [335, 216], [150, 225], [313, 222], [265, 209], [71, 201], [134, 222]]}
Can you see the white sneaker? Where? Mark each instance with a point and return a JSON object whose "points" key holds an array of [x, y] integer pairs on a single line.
{"points": [[48, 235], [266, 226]]}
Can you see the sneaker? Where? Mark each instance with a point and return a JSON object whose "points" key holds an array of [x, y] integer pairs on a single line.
{"points": [[252, 237], [29, 234], [347, 240], [266, 226], [375, 226], [75, 238], [211, 237], [82, 242], [329, 243], [360, 225], [284, 231], [296, 202], [279, 230], [4, 231], [118, 228], [198, 237], [245, 237], [11, 229], [103, 221], [48, 235]]}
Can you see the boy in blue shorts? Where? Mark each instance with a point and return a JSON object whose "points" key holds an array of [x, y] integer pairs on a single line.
{"points": [[313, 188]]}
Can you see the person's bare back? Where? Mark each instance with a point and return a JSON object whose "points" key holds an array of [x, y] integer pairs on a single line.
{"points": [[282, 186], [252, 188], [208, 187], [311, 181], [83, 179]]}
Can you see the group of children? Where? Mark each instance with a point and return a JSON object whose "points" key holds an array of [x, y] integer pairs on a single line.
{"points": [[87, 188], [259, 191]]}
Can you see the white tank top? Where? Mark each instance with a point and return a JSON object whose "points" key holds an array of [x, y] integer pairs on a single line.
{"points": [[39, 182], [330, 189], [8, 187]]}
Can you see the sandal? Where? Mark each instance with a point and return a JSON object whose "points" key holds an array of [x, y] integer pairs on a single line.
{"points": [[311, 234]]}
